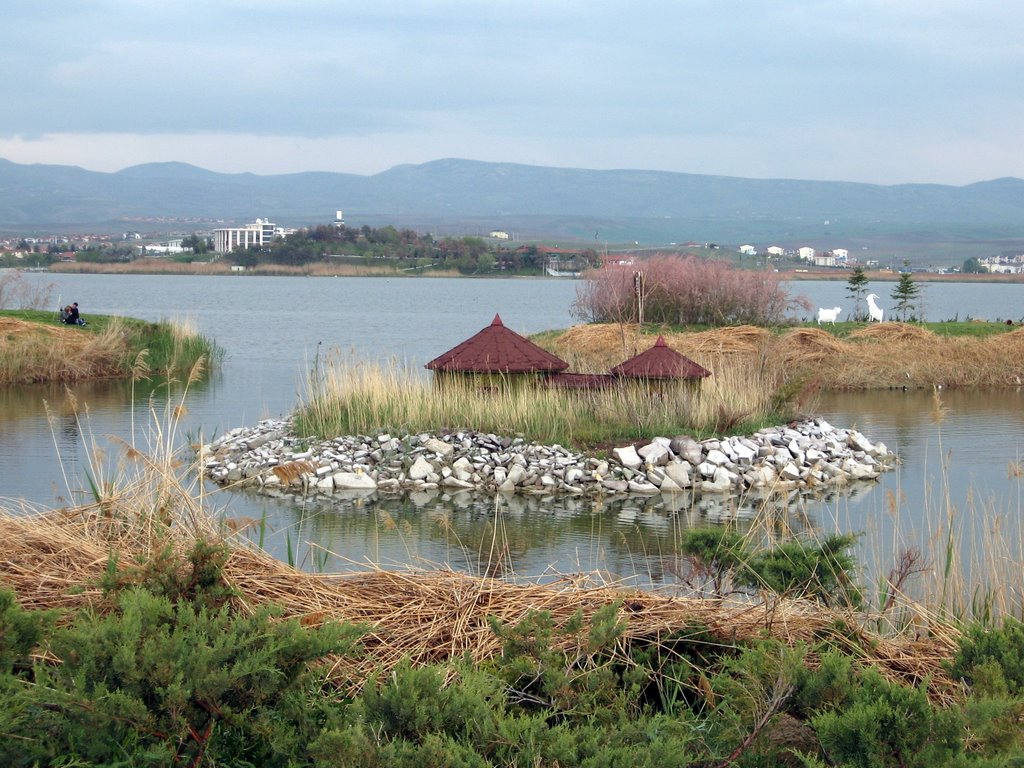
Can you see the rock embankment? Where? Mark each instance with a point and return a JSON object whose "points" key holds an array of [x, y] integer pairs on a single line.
{"points": [[808, 454]]}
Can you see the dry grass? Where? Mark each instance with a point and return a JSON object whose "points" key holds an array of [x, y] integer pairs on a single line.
{"points": [[35, 352], [54, 560], [882, 356]]}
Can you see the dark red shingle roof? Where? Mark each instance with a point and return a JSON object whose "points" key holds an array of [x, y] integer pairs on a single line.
{"points": [[660, 362], [496, 349]]}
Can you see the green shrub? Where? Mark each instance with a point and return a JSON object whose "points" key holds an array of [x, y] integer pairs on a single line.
{"points": [[156, 683], [1004, 646], [20, 632], [822, 571], [885, 724], [197, 578], [724, 561]]}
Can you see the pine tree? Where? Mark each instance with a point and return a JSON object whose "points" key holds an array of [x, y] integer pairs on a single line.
{"points": [[856, 287], [904, 293]]}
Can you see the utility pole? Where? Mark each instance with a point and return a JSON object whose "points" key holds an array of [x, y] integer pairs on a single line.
{"points": [[638, 284]]}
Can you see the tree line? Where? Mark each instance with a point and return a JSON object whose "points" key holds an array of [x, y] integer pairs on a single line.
{"points": [[409, 249]]}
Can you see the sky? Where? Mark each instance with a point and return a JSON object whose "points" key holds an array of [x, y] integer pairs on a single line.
{"points": [[878, 91]]}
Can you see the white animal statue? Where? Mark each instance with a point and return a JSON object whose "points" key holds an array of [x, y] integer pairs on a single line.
{"points": [[828, 315], [874, 310]]}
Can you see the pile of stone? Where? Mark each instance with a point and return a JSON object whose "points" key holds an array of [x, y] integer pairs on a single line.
{"points": [[809, 454]]}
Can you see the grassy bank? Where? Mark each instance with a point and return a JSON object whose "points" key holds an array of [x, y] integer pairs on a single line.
{"points": [[849, 356], [36, 347]]}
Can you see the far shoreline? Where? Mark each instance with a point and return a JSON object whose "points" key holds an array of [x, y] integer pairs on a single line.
{"points": [[217, 269]]}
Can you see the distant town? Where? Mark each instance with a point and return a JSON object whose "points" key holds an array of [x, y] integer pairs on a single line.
{"points": [[262, 241]]}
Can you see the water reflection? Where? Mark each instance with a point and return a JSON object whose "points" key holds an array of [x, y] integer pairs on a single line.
{"points": [[624, 539], [49, 431]]}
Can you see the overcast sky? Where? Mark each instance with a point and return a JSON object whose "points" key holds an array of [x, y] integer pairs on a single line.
{"points": [[882, 91]]}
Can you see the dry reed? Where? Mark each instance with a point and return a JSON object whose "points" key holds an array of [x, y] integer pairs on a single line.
{"points": [[881, 356], [55, 560], [35, 352]]}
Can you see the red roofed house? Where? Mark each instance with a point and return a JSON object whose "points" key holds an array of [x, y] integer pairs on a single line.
{"points": [[497, 350], [660, 362]]}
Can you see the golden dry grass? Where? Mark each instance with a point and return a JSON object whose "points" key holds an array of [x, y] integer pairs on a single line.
{"points": [[54, 560], [893, 333], [33, 352], [882, 356]]}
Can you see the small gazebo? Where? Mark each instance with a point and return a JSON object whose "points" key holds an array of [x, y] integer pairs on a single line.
{"points": [[496, 350], [660, 363]]}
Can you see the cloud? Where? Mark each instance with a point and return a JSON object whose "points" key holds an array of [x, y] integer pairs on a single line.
{"points": [[812, 88]]}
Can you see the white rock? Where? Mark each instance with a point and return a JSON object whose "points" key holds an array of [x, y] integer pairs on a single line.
{"points": [[858, 442], [790, 472], [516, 475], [627, 457], [654, 454], [440, 447], [420, 469], [744, 453], [679, 473], [668, 485], [717, 457], [637, 486], [354, 481]]}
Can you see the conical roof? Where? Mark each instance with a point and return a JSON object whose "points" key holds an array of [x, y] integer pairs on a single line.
{"points": [[496, 349], [660, 362]]}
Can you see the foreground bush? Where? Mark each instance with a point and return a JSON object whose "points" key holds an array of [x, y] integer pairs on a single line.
{"points": [[176, 673]]}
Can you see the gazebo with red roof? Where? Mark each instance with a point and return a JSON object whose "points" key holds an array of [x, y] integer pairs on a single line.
{"points": [[660, 362], [496, 349]]}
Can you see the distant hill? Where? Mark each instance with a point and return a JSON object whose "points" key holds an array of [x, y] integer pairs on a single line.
{"points": [[530, 201]]}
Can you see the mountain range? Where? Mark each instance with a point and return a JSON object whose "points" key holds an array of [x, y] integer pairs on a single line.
{"points": [[465, 196]]}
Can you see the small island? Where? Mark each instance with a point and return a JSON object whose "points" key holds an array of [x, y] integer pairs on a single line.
{"points": [[35, 347]]}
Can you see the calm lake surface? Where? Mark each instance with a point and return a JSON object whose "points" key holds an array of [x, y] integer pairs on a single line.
{"points": [[274, 328]]}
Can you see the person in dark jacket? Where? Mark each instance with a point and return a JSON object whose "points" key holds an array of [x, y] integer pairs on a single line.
{"points": [[73, 317]]}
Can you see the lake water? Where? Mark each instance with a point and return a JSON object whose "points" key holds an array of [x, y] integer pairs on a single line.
{"points": [[274, 328]]}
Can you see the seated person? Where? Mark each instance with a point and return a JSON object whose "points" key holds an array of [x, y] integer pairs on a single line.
{"points": [[65, 313], [72, 315]]}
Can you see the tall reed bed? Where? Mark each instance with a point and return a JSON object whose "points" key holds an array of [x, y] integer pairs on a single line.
{"points": [[957, 560], [351, 397]]}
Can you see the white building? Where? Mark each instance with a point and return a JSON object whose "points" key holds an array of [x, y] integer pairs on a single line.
{"points": [[260, 233], [824, 260], [748, 250], [805, 253], [774, 250], [500, 234], [841, 254]]}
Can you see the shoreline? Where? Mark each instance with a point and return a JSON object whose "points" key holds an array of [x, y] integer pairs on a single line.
{"points": [[217, 269], [804, 457]]}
